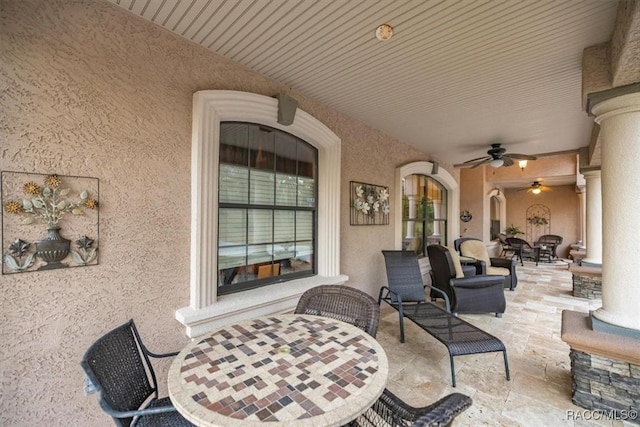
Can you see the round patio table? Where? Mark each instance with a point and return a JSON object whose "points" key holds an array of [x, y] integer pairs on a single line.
{"points": [[276, 371]]}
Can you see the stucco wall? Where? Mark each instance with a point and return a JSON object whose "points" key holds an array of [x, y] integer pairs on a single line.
{"points": [[89, 90], [472, 198]]}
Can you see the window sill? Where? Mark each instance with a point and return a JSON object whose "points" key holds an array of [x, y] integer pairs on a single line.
{"points": [[280, 297]]}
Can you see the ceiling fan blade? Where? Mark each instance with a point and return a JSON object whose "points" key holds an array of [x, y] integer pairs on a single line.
{"points": [[473, 163], [508, 161], [479, 158], [521, 156], [487, 160]]}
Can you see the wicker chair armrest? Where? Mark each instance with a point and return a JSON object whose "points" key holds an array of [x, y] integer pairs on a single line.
{"points": [[509, 263], [161, 355], [138, 412], [481, 267], [442, 412], [396, 412], [389, 292], [477, 281], [444, 295]]}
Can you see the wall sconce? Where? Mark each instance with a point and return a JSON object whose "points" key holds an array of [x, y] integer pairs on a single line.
{"points": [[522, 164]]}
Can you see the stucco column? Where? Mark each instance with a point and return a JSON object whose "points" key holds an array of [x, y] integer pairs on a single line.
{"points": [[594, 218], [412, 215], [583, 216], [437, 209], [619, 120]]}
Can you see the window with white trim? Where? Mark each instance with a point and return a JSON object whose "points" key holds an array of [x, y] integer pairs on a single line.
{"points": [[267, 207], [424, 213], [207, 309]]}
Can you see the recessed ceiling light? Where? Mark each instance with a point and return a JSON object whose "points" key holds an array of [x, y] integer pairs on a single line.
{"points": [[384, 32]]}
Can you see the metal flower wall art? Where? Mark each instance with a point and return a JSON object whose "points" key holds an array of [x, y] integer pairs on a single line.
{"points": [[62, 206], [369, 204]]}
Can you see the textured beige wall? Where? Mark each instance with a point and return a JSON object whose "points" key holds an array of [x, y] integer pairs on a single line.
{"points": [[89, 90], [563, 204], [472, 198]]}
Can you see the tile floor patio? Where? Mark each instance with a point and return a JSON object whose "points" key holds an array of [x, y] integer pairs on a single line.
{"points": [[539, 393]]}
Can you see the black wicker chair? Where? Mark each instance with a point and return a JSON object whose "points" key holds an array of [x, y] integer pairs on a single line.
{"points": [[523, 249], [551, 241], [506, 248], [390, 411], [343, 303], [118, 367], [475, 294]]}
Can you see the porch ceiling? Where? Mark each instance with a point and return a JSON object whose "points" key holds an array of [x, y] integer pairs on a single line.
{"points": [[455, 76]]}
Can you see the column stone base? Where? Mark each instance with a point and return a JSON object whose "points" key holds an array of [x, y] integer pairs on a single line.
{"points": [[587, 281], [608, 385], [605, 368]]}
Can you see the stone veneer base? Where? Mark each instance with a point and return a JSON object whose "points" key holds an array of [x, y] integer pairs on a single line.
{"points": [[605, 368], [600, 383], [587, 281]]}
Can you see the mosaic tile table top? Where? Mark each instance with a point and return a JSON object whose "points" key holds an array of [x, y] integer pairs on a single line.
{"points": [[282, 370]]}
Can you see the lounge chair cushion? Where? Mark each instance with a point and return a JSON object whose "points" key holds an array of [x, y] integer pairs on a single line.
{"points": [[456, 263], [476, 249], [499, 271]]}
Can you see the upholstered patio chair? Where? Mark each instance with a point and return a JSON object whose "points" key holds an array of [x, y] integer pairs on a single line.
{"points": [[475, 248], [343, 303], [118, 367], [391, 411], [475, 294]]}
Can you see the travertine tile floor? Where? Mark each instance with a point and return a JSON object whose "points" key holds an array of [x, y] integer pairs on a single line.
{"points": [[539, 393]]}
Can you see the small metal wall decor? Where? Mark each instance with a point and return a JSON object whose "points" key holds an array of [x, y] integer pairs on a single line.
{"points": [[465, 216], [369, 204], [49, 221]]}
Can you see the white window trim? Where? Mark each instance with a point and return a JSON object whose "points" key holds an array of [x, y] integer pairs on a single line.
{"points": [[453, 197], [206, 310]]}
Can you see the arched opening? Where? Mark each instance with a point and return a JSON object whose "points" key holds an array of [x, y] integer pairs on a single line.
{"points": [[448, 228]]}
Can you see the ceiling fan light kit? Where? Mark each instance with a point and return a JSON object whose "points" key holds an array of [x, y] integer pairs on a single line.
{"points": [[536, 188], [496, 163], [498, 157]]}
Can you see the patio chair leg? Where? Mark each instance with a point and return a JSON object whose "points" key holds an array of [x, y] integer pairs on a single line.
{"points": [[401, 315], [453, 371], [506, 365]]}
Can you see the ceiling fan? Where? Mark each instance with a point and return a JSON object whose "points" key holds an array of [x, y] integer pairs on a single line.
{"points": [[497, 156], [536, 188]]}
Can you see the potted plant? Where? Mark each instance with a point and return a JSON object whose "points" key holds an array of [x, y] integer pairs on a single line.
{"points": [[513, 231]]}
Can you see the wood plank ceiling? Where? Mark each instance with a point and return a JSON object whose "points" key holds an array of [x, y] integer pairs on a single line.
{"points": [[455, 77]]}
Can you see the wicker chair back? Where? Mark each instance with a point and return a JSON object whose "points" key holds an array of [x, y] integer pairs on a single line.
{"points": [[343, 303]]}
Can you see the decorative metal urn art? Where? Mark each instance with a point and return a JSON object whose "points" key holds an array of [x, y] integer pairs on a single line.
{"points": [[53, 249], [65, 206]]}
